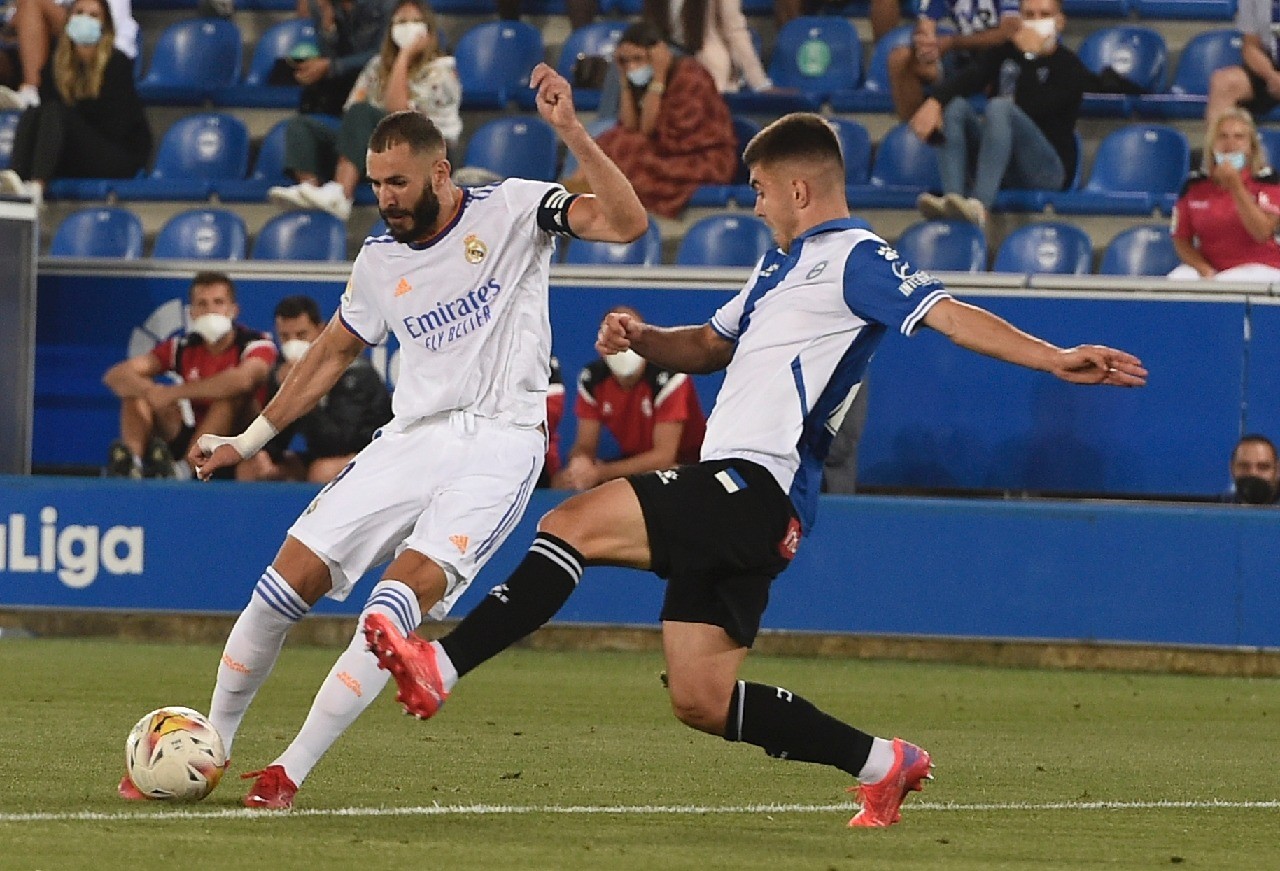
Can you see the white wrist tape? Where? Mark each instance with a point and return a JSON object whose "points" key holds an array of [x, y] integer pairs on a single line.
{"points": [[248, 443]]}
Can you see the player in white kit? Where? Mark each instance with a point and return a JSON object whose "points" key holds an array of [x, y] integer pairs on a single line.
{"points": [[794, 344], [461, 280]]}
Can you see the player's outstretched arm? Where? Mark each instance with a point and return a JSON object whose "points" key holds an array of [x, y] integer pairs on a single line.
{"points": [[696, 350], [613, 213], [979, 330], [309, 380]]}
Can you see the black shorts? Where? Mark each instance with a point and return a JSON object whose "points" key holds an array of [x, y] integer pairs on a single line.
{"points": [[719, 533], [1262, 101]]}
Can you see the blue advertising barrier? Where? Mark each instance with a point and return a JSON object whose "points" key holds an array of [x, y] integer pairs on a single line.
{"points": [[1202, 574]]}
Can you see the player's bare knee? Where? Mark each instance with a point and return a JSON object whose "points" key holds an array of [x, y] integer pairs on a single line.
{"points": [[699, 706], [567, 523]]}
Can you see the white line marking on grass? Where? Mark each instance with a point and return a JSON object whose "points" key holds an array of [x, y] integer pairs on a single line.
{"points": [[620, 810]]}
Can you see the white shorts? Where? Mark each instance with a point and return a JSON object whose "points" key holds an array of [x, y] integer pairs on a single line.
{"points": [[451, 488]]}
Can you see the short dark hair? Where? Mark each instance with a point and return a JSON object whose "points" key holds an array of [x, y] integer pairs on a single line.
{"points": [[643, 33], [210, 276], [412, 128], [1257, 439], [798, 136], [295, 306]]}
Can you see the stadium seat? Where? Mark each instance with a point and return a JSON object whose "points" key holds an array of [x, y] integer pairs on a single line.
{"points": [[1137, 168], [1271, 145], [304, 234], [1137, 53], [645, 251], [192, 61], [1050, 247], [598, 39], [203, 234], [874, 94], [268, 168], [903, 168], [1203, 53], [8, 126], [814, 57], [193, 153], [99, 232], [725, 240], [953, 246], [718, 196], [515, 147], [1210, 10], [855, 144], [275, 43], [1145, 250], [495, 60], [1096, 8]]}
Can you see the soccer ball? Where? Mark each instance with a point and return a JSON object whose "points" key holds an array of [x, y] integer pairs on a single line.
{"points": [[174, 754]]}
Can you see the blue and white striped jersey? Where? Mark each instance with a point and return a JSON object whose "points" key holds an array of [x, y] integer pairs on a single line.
{"points": [[806, 324]]}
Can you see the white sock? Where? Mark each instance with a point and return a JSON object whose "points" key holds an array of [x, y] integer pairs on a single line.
{"points": [[251, 651], [353, 683], [879, 762], [448, 673]]}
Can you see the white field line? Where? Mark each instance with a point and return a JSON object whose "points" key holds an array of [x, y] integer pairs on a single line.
{"points": [[179, 813]]}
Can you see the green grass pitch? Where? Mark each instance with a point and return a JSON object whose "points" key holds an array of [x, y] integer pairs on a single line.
{"points": [[573, 761]]}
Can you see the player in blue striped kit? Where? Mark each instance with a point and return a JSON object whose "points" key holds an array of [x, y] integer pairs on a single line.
{"points": [[794, 344]]}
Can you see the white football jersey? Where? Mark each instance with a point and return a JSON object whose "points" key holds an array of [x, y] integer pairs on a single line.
{"points": [[468, 307], [806, 324]]}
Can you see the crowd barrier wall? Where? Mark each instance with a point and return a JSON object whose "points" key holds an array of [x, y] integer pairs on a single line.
{"points": [[1074, 570]]}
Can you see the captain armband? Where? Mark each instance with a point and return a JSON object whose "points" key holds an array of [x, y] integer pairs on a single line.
{"points": [[553, 212]]}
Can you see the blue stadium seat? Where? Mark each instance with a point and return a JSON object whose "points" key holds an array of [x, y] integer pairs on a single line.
{"points": [[1144, 250], [1210, 10], [99, 232], [903, 168], [8, 126], [523, 146], [495, 60], [874, 94], [725, 240], [1051, 247], [192, 61], [954, 246], [598, 39], [717, 196], [1203, 53], [275, 43], [1137, 53], [193, 153], [203, 234], [814, 57], [1271, 145], [1137, 168], [268, 168], [1096, 8], [855, 143], [645, 251], [304, 234]]}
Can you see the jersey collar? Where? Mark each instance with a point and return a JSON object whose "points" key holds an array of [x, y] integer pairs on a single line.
{"points": [[444, 231], [832, 226]]}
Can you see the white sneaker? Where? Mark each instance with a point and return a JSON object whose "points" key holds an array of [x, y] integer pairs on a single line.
{"points": [[931, 207], [330, 197], [27, 97], [30, 96], [11, 183], [289, 196], [968, 209]]}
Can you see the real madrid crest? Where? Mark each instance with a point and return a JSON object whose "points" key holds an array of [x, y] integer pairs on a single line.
{"points": [[474, 249]]}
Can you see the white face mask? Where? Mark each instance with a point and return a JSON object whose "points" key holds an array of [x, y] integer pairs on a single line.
{"points": [[406, 33], [624, 364], [1046, 28], [293, 350], [211, 327]]}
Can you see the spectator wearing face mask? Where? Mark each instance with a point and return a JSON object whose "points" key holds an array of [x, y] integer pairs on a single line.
{"points": [[1255, 472], [652, 414], [215, 374], [338, 427], [89, 121], [1226, 219], [409, 72]]}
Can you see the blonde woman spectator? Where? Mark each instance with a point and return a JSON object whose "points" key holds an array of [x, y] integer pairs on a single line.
{"points": [[36, 24], [1226, 219], [90, 122], [408, 73]]}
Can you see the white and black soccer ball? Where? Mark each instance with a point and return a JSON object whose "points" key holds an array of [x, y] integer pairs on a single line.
{"points": [[174, 754]]}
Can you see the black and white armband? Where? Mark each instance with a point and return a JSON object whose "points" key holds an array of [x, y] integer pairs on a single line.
{"points": [[553, 212]]}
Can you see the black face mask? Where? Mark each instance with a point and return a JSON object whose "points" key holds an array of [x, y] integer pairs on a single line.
{"points": [[1254, 491]]}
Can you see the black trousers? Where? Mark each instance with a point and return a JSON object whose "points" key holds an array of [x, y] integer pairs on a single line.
{"points": [[54, 141]]}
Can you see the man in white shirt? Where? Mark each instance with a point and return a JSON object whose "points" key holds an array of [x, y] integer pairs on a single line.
{"points": [[794, 344], [461, 279]]}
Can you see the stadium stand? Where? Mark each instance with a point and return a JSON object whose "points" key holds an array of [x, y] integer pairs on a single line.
{"points": [[951, 246], [302, 235], [737, 191], [522, 146], [8, 124], [203, 234], [598, 39], [1143, 250], [1203, 54], [645, 251], [494, 62], [99, 232], [1139, 54], [1049, 247], [903, 168], [1137, 169], [192, 62], [814, 57], [725, 240], [255, 90], [193, 153]]}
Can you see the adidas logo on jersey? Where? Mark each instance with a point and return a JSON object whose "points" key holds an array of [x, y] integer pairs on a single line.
{"points": [[460, 542], [403, 287]]}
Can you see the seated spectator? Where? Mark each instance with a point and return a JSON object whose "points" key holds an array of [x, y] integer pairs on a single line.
{"points": [[715, 32], [90, 122], [555, 414], [1255, 472], [674, 131], [1255, 85], [933, 55], [338, 427], [36, 24], [348, 35], [1226, 219], [653, 414], [1025, 136], [216, 372], [409, 73]]}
